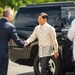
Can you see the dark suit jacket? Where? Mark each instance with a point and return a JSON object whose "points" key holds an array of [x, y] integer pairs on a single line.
{"points": [[7, 31]]}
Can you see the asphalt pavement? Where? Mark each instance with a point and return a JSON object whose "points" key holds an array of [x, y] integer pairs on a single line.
{"points": [[16, 69]]}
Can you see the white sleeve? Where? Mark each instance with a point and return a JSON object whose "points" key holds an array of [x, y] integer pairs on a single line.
{"points": [[32, 36], [54, 39], [70, 34]]}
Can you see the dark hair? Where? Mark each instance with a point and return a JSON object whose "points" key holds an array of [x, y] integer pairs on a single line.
{"points": [[6, 12], [44, 15]]}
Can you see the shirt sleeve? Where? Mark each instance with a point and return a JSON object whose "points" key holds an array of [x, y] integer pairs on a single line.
{"points": [[32, 36], [14, 36], [53, 39], [70, 34]]}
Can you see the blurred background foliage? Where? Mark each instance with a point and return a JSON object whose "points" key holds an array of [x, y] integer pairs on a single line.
{"points": [[14, 4]]}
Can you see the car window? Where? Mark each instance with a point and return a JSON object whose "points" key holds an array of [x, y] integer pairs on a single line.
{"points": [[67, 14], [27, 16]]}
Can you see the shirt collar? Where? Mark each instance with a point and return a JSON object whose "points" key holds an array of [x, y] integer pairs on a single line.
{"points": [[41, 26], [5, 18]]}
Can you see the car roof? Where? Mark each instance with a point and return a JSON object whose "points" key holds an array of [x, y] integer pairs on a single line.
{"points": [[52, 4], [69, 3]]}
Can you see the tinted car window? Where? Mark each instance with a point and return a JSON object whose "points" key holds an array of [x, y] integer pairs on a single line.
{"points": [[67, 14], [27, 16]]}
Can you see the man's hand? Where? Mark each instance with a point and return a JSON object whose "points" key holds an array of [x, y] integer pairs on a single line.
{"points": [[56, 55], [11, 41], [25, 43]]}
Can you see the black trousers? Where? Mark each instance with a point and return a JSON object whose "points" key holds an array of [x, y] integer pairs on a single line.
{"points": [[3, 66], [45, 70], [67, 52]]}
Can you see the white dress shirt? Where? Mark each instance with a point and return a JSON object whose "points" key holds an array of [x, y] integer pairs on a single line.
{"points": [[71, 32], [71, 36], [46, 39]]}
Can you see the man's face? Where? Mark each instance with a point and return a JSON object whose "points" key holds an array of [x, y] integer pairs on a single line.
{"points": [[41, 20], [11, 16]]}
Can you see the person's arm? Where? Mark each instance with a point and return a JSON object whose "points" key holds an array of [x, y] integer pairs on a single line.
{"points": [[71, 34], [32, 36], [14, 36], [54, 41]]}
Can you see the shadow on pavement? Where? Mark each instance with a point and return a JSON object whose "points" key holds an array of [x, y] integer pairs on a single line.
{"points": [[72, 73], [29, 73]]}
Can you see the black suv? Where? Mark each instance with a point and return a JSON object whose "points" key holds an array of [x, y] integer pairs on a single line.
{"points": [[60, 16]]}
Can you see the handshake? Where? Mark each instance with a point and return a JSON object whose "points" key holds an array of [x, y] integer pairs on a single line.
{"points": [[25, 43]]}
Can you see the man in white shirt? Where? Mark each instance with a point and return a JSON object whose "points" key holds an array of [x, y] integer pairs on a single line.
{"points": [[71, 36], [46, 40]]}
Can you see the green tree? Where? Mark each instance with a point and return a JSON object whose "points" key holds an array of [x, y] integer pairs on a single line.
{"points": [[16, 3], [1, 10]]}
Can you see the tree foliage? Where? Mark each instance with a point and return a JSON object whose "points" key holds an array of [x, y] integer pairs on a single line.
{"points": [[16, 3]]}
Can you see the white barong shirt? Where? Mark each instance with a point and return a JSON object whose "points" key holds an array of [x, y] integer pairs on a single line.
{"points": [[46, 39]]}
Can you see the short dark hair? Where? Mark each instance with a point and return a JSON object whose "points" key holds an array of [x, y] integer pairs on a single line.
{"points": [[6, 12], [44, 15]]}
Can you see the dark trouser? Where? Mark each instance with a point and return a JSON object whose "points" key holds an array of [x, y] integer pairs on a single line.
{"points": [[45, 70], [3, 66], [67, 53]]}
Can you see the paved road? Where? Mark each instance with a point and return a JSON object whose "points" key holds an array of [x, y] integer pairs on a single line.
{"points": [[16, 69]]}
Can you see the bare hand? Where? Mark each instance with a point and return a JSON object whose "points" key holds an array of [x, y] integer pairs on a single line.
{"points": [[11, 41], [56, 55], [25, 43]]}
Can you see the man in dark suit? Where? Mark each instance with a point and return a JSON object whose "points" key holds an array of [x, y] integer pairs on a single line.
{"points": [[7, 32]]}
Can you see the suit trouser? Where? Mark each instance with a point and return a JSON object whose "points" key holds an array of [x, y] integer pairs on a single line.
{"points": [[3, 65], [45, 66], [67, 53]]}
